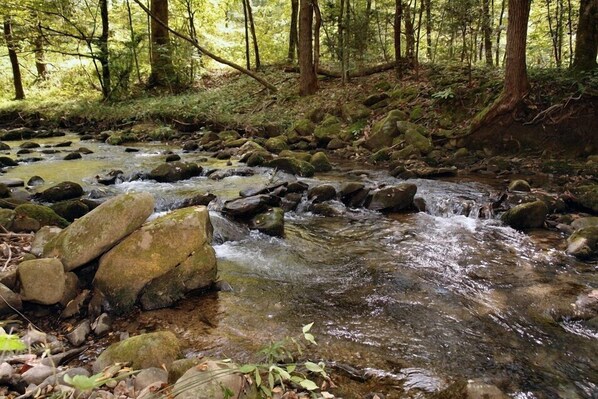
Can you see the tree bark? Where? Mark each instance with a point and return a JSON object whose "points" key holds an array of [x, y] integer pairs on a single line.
{"points": [[429, 29], [134, 41], [246, 23], [14, 61], [487, 31], [397, 34], [256, 49], [410, 34], [499, 31], [308, 81], [293, 31], [40, 61], [104, 52], [586, 43], [516, 83], [162, 74]]}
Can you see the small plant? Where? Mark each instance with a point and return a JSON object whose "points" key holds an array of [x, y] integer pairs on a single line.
{"points": [[11, 343], [275, 372], [444, 94], [84, 383]]}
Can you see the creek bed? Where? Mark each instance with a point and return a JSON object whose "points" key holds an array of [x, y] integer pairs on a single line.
{"points": [[416, 299]]}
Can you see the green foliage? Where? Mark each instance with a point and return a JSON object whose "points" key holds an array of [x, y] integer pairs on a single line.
{"points": [[84, 383], [444, 94], [11, 343]]}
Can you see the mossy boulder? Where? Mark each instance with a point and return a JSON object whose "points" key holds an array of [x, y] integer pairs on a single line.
{"points": [[292, 165], [121, 138], [526, 216], [419, 141], [320, 162], [277, 144], [270, 222], [300, 155], [61, 192], [70, 210], [6, 218], [31, 217], [519, 185], [385, 131], [583, 243], [586, 196], [327, 130], [416, 113], [152, 252], [99, 230], [304, 127], [157, 349], [227, 135], [354, 111], [175, 171], [380, 156], [42, 281]]}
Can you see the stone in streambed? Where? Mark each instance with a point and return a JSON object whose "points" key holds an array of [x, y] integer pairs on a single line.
{"points": [[321, 193], [10, 300], [154, 250], [587, 197], [175, 171], [292, 166], [320, 162], [270, 222], [31, 217], [393, 198], [72, 156], [79, 334], [42, 281], [519, 185], [99, 230], [248, 206], [214, 376], [70, 210], [583, 243], [62, 191], [42, 237], [526, 216]]}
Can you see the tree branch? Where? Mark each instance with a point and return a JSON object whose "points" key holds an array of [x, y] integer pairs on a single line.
{"points": [[213, 56]]}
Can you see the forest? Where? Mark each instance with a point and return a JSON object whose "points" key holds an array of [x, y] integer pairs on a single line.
{"points": [[293, 199]]}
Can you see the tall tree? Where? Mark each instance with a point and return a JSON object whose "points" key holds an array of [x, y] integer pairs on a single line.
{"points": [[487, 31], [516, 83], [586, 43], [163, 74], [256, 49], [308, 81], [246, 25], [398, 16], [14, 60], [104, 53], [38, 50], [293, 30]]}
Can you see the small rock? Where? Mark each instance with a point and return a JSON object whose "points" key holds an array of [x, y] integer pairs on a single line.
{"points": [[75, 305], [42, 280], [62, 191], [150, 376], [102, 325], [172, 158], [393, 199], [321, 193], [37, 374], [72, 156], [78, 336], [33, 337], [270, 222], [583, 243], [29, 144], [129, 149], [526, 216], [10, 300], [519, 185], [35, 181]]}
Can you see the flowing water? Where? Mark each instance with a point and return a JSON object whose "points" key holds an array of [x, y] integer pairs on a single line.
{"points": [[416, 300]]}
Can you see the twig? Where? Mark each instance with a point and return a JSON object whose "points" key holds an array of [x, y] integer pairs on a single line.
{"points": [[8, 259]]}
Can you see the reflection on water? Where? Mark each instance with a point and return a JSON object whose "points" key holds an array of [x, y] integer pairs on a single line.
{"points": [[417, 299]]}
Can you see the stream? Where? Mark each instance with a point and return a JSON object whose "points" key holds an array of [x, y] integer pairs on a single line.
{"points": [[416, 300]]}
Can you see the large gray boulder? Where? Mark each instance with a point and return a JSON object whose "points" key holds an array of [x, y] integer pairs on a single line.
{"points": [[42, 281], [99, 230], [148, 257], [157, 349], [526, 216], [393, 198]]}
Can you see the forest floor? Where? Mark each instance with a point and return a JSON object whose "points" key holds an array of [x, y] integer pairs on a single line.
{"points": [[436, 97]]}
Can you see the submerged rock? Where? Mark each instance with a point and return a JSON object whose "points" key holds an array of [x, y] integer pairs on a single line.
{"points": [[292, 165], [248, 206], [158, 349], [207, 381], [99, 230], [174, 250], [526, 216], [321, 193]]}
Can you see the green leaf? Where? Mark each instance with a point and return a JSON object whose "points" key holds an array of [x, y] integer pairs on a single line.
{"points": [[310, 338], [258, 378], [308, 384], [247, 368], [313, 367], [11, 343], [291, 368], [283, 373], [307, 327], [271, 380]]}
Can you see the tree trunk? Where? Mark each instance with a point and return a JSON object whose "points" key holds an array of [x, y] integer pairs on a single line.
{"points": [[347, 41], [256, 49], [487, 31], [410, 35], [341, 38], [162, 74], [516, 83], [14, 61], [246, 23], [293, 31], [38, 49], [308, 81], [397, 34], [104, 53], [133, 42], [586, 43], [499, 31], [429, 29]]}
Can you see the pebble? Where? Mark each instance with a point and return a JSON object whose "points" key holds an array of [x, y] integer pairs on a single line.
{"points": [[150, 376], [102, 325], [79, 334], [37, 374]]}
